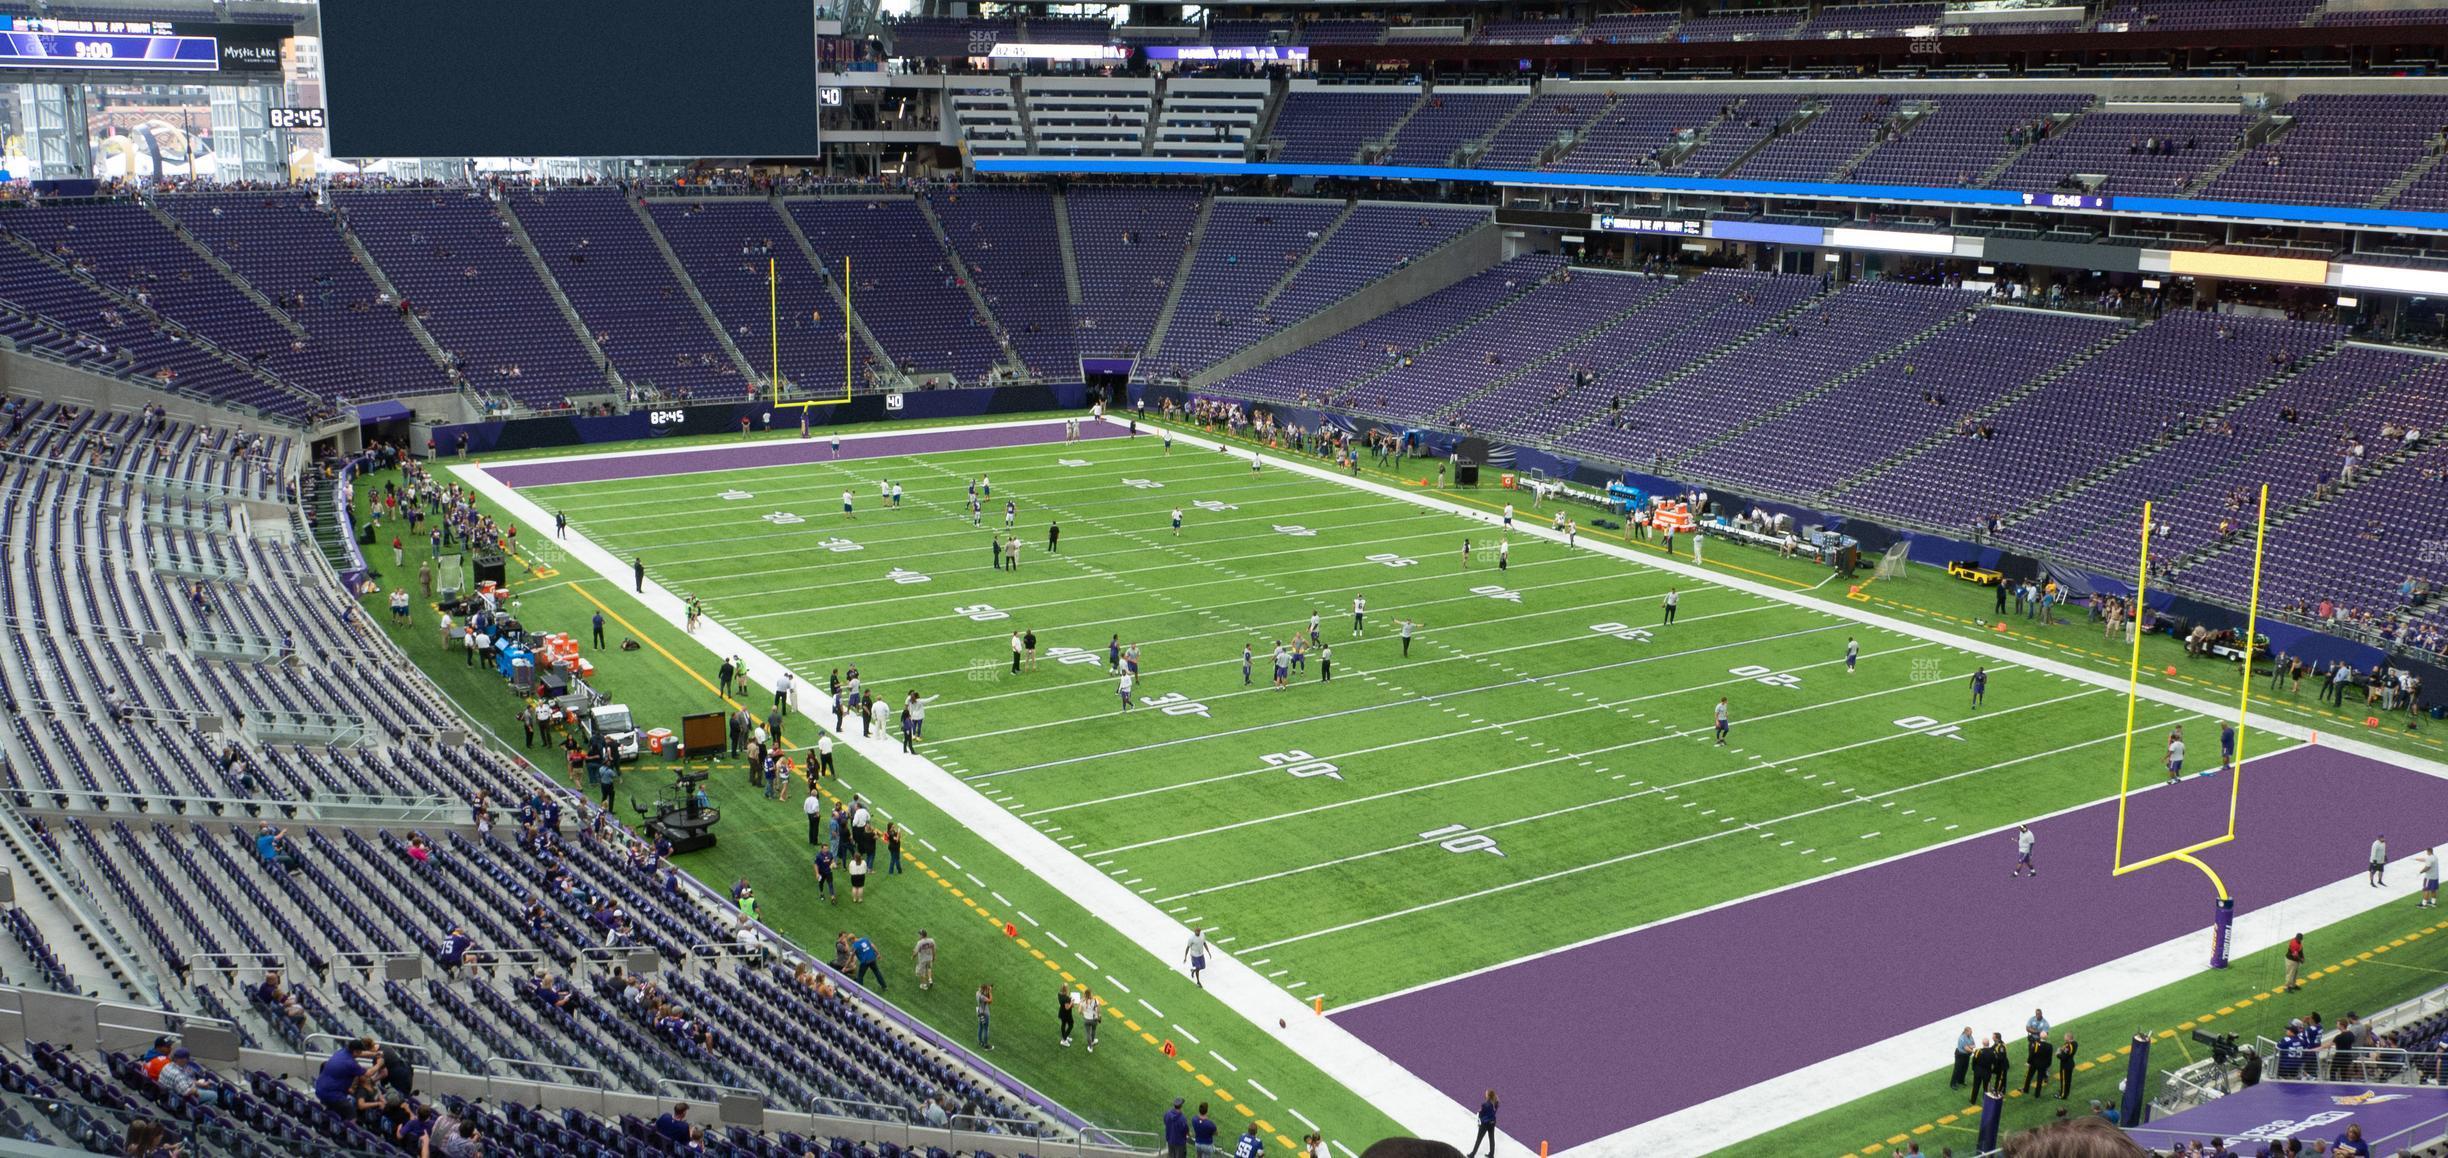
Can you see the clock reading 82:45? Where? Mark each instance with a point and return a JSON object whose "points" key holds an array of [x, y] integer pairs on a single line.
{"points": [[284, 117]]}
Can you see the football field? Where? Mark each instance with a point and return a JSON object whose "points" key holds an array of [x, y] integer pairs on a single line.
{"points": [[1540, 768], [1536, 771]]}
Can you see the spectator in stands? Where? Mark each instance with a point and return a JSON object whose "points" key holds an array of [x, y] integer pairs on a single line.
{"points": [[456, 946], [183, 1078], [339, 1075], [675, 1125], [272, 847], [146, 1138], [273, 995], [152, 1060]]}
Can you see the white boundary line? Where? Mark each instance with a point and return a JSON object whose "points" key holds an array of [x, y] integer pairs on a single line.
{"points": [[1392, 1089], [816, 439], [1869, 1069], [1748, 1113], [1395, 1090]]}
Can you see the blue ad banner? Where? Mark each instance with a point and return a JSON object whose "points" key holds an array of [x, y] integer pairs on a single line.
{"points": [[1826, 190]]}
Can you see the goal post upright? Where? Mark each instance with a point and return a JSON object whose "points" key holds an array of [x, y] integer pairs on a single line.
{"points": [[773, 328]]}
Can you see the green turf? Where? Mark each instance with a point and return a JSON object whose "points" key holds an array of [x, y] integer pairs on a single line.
{"points": [[1581, 754], [1125, 1085]]}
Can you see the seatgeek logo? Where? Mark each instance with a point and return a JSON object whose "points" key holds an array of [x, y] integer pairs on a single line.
{"points": [[666, 417]]}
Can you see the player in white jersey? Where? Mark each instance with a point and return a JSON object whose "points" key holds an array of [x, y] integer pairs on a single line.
{"points": [[1359, 613], [2023, 851], [1508, 518], [847, 499], [1177, 522], [1313, 628], [1852, 653]]}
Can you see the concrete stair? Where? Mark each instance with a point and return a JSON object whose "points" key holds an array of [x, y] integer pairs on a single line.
{"points": [[1181, 277], [552, 286], [382, 282], [1556, 351], [1325, 236], [212, 259], [2001, 402], [841, 300], [1070, 260], [977, 301], [705, 310]]}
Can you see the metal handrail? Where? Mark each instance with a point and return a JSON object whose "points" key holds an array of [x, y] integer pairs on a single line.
{"points": [[163, 1018], [728, 950], [416, 1053], [684, 1085], [200, 962], [817, 1104], [418, 805], [582, 1071]]}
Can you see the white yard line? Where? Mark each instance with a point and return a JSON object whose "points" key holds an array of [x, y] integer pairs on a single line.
{"points": [[1594, 706], [1703, 839], [1405, 702], [1458, 657], [1568, 757], [1404, 1097], [1567, 810]]}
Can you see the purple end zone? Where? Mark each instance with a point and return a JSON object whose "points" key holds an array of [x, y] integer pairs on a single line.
{"points": [[786, 452], [1599, 1038]]}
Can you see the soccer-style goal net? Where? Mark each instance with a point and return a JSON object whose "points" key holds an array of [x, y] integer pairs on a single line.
{"points": [[1892, 564]]}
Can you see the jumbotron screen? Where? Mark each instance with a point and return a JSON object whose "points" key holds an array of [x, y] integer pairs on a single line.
{"points": [[590, 78]]}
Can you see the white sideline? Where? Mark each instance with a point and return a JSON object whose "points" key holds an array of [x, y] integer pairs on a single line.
{"points": [[1396, 1091], [1733, 1118], [1392, 1089], [717, 449]]}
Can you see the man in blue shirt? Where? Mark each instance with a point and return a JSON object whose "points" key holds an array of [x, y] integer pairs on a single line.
{"points": [[1177, 1131], [1250, 1145], [865, 951], [1203, 1133], [339, 1073], [675, 1125], [268, 847], [824, 873]]}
